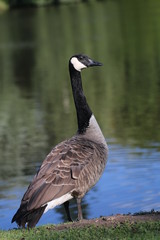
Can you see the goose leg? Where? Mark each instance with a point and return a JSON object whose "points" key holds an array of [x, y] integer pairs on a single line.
{"points": [[80, 216], [66, 206]]}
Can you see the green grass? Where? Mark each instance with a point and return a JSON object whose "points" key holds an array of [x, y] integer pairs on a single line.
{"points": [[147, 230]]}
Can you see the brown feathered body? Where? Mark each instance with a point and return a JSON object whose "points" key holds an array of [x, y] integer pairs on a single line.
{"points": [[71, 167]]}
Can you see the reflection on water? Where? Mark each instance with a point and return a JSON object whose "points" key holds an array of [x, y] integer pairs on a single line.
{"points": [[36, 104]]}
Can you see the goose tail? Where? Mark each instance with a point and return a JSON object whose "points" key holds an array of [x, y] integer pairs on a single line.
{"points": [[30, 218]]}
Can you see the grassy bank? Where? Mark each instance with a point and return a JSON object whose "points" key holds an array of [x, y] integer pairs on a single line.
{"points": [[140, 230]]}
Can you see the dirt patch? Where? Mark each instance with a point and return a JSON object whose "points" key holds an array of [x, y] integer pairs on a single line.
{"points": [[110, 221]]}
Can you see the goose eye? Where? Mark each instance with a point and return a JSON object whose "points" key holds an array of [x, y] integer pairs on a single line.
{"points": [[81, 57]]}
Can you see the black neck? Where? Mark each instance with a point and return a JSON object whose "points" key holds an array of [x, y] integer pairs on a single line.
{"points": [[83, 111]]}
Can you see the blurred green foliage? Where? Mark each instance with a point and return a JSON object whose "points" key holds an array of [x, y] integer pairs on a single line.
{"points": [[22, 3]]}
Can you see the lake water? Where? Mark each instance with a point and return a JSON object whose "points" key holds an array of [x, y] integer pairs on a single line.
{"points": [[37, 110]]}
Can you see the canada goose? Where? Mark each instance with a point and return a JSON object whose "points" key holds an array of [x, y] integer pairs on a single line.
{"points": [[73, 166]]}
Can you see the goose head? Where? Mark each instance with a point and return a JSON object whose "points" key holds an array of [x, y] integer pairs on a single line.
{"points": [[81, 61]]}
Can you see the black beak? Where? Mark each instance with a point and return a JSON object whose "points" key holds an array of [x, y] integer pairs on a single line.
{"points": [[94, 63]]}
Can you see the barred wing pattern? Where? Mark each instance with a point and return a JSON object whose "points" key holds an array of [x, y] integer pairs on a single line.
{"points": [[59, 172]]}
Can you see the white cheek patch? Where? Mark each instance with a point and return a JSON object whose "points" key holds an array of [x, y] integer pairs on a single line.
{"points": [[77, 64]]}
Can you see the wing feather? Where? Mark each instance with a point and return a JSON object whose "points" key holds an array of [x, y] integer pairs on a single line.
{"points": [[58, 173]]}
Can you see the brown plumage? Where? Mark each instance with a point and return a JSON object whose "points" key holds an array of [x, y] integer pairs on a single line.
{"points": [[69, 170]]}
